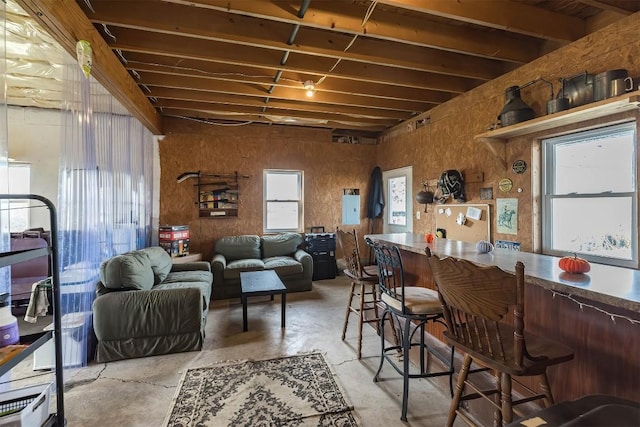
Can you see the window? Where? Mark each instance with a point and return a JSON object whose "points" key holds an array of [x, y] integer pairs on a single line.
{"points": [[283, 196], [590, 195], [19, 183]]}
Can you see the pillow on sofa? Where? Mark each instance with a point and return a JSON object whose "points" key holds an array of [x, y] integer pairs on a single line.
{"points": [[160, 263], [239, 247], [127, 271], [280, 244]]}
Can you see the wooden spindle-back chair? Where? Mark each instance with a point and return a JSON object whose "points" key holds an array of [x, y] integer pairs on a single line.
{"points": [[476, 301]]}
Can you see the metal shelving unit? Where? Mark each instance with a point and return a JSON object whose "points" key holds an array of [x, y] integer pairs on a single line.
{"points": [[37, 340]]}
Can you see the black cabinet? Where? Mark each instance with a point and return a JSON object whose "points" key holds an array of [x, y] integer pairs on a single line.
{"points": [[322, 247]]}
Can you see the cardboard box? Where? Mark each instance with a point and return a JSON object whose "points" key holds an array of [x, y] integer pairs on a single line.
{"points": [[174, 239], [174, 232]]}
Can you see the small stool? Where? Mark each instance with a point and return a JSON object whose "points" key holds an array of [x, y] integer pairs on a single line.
{"points": [[364, 286]]}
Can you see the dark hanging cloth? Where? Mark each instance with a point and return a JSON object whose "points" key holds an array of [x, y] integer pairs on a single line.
{"points": [[375, 202]]}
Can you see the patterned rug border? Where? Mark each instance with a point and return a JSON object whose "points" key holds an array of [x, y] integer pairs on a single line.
{"points": [[231, 362]]}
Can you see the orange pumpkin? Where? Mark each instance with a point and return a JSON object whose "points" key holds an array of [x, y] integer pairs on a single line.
{"points": [[574, 264]]}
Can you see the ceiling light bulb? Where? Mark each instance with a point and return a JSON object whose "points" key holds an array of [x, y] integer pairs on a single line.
{"points": [[310, 87]]}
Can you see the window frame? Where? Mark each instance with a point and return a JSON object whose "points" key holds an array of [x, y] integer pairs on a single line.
{"points": [[300, 201], [548, 196], [19, 207]]}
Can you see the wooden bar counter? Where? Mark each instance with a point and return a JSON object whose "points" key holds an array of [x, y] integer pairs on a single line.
{"points": [[597, 314]]}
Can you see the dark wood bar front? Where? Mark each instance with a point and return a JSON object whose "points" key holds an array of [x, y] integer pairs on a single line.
{"points": [[597, 314]]}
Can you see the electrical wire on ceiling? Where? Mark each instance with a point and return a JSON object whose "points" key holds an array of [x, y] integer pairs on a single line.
{"points": [[108, 32], [211, 73], [209, 122], [119, 53], [365, 19], [89, 5]]}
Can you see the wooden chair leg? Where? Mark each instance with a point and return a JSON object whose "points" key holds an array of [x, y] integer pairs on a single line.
{"points": [[497, 398], [374, 293], [546, 390], [455, 402], [346, 317], [507, 407], [361, 318]]}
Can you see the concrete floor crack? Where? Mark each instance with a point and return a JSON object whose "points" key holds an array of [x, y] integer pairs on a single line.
{"points": [[72, 384], [171, 386]]}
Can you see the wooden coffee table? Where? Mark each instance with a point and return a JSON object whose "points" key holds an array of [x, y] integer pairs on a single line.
{"points": [[257, 283]]}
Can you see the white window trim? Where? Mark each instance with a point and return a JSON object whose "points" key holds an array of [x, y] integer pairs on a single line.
{"points": [[20, 207], [546, 198], [300, 202]]}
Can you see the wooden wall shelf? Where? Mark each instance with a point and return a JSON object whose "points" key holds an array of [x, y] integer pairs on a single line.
{"points": [[496, 139], [218, 195]]}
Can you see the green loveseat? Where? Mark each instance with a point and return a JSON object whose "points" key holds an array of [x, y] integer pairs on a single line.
{"points": [[146, 305], [279, 252]]}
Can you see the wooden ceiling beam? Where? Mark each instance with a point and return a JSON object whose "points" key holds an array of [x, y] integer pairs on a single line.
{"points": [[266, 77], [183, 82], [195, 53], [510, 16], [161, 93], [255, 118], [270, 110], [210, 25], [348, 17], [67, 24]]}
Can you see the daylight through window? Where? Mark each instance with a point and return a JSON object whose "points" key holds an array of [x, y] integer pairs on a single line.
{"points": [[590, 195], [283, 196]]}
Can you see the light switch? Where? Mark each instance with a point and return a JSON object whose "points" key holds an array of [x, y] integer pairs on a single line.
{"points": [[417, 214]]}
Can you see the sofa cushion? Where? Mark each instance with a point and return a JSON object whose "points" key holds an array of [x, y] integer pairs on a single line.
{"points": [[239, 247], [234, 268], [127, 271], [280, 244], [189, 279], [283, 265], [160, 263], [189, 276]]}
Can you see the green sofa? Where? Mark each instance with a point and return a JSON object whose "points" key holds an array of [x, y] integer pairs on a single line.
{"points": [[279, 252], [146, 305]]}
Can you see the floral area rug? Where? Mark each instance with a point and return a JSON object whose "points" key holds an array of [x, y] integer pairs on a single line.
{"points": [[290, 391]]}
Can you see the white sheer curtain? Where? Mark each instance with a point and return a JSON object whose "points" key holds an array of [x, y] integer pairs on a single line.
{"points": [[105, 200], [5, 277]]}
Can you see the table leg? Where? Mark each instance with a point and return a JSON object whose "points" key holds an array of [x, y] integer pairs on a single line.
{"points": [[245, 326], [284, 307]]}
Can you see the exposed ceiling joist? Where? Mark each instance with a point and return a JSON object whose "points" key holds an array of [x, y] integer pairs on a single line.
{"points": [[372, 63], [67, 23]]}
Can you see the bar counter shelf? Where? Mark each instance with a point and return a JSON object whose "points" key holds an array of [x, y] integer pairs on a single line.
{"points": [[611, 285]]}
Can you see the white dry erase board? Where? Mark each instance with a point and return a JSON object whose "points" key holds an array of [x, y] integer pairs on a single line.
{"points": [[475, 219]]}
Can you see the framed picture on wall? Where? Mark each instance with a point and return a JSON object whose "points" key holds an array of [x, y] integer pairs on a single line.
{"points": [[507, 214]]}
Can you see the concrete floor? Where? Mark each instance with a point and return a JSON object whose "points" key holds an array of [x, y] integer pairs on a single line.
{"points": [[138, 392]]}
